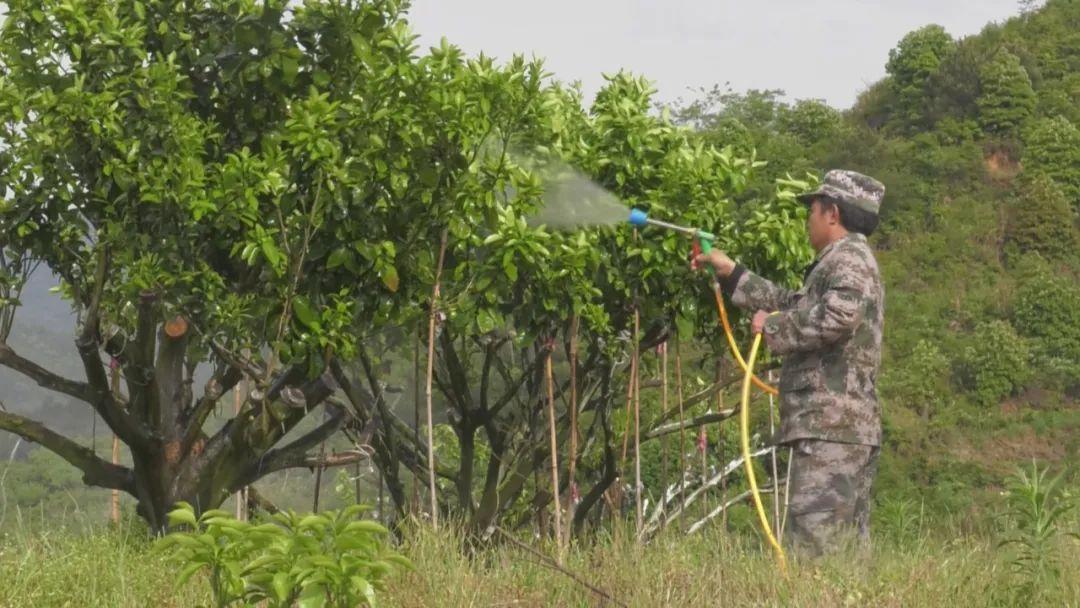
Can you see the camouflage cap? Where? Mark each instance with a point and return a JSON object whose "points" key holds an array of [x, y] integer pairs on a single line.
{"points": [[844, 186]]}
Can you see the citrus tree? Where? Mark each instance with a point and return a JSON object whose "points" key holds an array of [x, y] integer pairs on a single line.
{"points": [[232, 186], [516, 293]]}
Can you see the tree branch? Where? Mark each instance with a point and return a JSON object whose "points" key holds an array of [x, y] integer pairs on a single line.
{"points": [[307, 461], [508, 396], [90, 329], [491, 348], [674, 427], [225, 378], [44, 378], [361, 400], [295, 453], [96, 472], [138, 364], [101, 401], [249, 368], [459, 380]]}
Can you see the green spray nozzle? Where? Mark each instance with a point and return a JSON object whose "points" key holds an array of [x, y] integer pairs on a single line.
{"points": [[704, 239]]}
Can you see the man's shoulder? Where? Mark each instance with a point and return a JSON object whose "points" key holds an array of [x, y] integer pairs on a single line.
{"points": [[853, 251]]}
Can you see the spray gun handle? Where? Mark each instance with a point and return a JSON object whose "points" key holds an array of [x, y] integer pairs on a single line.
{"points": [[704, 242]]}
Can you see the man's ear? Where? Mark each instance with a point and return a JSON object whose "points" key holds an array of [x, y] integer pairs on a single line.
{"points": [[832, 213]]}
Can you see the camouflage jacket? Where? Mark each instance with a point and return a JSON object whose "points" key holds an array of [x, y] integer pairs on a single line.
{"points": [[829, 333]]}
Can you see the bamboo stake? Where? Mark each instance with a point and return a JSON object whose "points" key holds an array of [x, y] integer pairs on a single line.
{"points": [[787, 493], [430, 373], [720, 441], [637, 431], [617, 503], [775, 474], [663, 408], [554, 456], [682, 427], [572, 465], [629, 405], [380, 478], [416, 422], [241, 495], [114, 511], [703, 447], [356, 483], [318, 477]]}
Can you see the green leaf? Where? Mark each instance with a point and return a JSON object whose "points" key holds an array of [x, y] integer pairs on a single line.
{"points": [[305, 313], [282, 586], [337, 257], [188, 571], [367, 526], [273, 255], [390, 278], [312, 521], [313, 596], [363, 588], [485, 322], [183, 515], [289, 68], [400, 560]]}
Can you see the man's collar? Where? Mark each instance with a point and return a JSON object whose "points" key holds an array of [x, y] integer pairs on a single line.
{"points": [[847, 237]]}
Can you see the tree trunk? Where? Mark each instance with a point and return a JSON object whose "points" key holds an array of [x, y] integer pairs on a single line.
{"points": [[173, 458]]}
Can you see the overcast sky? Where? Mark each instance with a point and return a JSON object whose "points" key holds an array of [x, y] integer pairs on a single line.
{"points": [[828, 49]]}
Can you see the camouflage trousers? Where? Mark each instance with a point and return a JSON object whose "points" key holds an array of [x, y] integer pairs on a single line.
{"points": [[829, 500]]}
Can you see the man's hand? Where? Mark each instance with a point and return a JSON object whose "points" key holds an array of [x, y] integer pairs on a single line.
{"points": [[721, 263], [757, 324]]}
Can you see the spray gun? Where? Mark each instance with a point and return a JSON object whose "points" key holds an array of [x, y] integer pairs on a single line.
{"points": [[702, 240]]}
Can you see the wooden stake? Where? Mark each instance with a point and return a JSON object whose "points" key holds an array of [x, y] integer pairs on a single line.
{"points": [[682, 428], [787, 494], [554, 456], [720, 440], [427, 389], [356, 483], [241, 496], [663, 408], [572, 465], [416, 423], [629, 405], [380, 478], [637, 433], [703, 447], [114, 511], [775, 474], [318, 477]]}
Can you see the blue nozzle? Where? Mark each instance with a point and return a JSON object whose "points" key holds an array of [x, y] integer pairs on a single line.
{"points": [[638, 217]]}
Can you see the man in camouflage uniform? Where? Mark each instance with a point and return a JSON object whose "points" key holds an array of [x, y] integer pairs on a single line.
{"points": [[829, 333]]}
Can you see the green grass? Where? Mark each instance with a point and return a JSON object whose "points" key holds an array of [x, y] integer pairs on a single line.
{"points": [[102, 567], [72, 566]]}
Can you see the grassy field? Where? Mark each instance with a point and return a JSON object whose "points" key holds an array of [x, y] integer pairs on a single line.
{"points": [[57, 566]]}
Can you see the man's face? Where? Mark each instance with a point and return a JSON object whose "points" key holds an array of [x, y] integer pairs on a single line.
{"points": [[819, 223]]}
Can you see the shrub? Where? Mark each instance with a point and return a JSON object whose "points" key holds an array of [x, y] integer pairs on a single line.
{"points": [[1040, 221], [997, 363], [1047, 313], [328, 559]]}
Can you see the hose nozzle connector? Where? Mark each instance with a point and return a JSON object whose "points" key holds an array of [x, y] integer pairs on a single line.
{"points": [[640, 219]]}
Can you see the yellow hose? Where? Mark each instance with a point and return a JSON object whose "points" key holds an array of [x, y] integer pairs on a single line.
{"points": [[772, 390], [748, 463]]}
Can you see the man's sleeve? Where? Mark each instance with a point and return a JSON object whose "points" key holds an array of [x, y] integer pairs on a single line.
{"points": [[825, 320], [752, 292]]}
